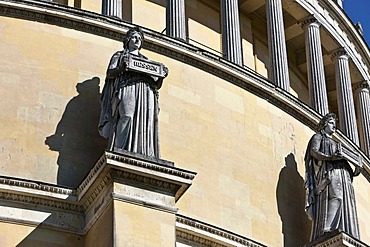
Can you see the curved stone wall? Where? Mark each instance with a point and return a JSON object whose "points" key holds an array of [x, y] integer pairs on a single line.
{"points": [[243, 136]]}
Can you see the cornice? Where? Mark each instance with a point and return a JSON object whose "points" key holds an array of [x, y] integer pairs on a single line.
{"points": [[34, 200], [337, 239], [97, 190], [36, 186], [147, 181], [180, 235], [151, 166], [92, 174], [212, 232]]}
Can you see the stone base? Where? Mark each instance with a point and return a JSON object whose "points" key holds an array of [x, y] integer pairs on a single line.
{"points": [[336, 239]]}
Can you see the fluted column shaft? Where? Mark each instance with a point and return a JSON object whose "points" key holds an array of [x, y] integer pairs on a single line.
{"points": [[363, 108], [175, 19], [112, 8], [315, 66], [279, 73], [346, 107], [231, 41]]}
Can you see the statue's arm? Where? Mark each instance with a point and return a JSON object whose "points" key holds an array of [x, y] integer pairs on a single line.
{"points": [[116, 66], [315, 149]]}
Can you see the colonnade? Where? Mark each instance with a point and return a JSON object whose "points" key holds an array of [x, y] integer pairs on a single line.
{"points": [[279, 73]]}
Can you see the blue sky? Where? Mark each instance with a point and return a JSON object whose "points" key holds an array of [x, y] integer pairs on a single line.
{"points": [[358, 11]]}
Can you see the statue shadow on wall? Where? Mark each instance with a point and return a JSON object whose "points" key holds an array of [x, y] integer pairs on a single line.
{"points": [[76, 136], [290, 195]]}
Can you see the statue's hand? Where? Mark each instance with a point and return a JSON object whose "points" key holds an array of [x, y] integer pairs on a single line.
{"points": [[165, 70], [337, 156], [357, 171]]}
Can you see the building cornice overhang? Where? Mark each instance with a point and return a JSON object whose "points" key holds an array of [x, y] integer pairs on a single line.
{"points": [[333, 18], [244, 78], [197, 232], [76, 210], [336, 238]]}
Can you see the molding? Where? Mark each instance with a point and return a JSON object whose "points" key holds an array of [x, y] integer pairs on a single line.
{"points": [[97, 190], [91, 177], [143, 203], [189, 237], [152, 182], [337, 239], [36, 186], [34, 200], [198, 232], [151, 166]]}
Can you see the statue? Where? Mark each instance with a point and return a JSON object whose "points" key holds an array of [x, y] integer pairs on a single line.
{"points": [[129, 101], [330, 198]]}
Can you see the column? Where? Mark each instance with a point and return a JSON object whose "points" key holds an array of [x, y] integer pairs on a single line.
{"points": [[315, 66], [363, 108], [346, 107], [112, 8], [175, 19], [279, 73], [231, 42]]}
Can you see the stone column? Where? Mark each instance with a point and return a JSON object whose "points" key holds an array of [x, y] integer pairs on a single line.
{"points": [[363, 108], [279, 73], [346, 106], [112, 8], [175, 19], [231, 41], [315, 66]]}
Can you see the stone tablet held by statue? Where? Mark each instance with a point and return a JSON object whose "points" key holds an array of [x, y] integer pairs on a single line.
{"points": [[330, 198], [129, 101]]}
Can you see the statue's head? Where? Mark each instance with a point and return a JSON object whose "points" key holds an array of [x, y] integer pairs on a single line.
{"points": [[134, 38], [327, 123]]}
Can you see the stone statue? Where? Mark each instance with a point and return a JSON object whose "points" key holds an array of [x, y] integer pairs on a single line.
{"points": [[330, 198], [129, 101]]}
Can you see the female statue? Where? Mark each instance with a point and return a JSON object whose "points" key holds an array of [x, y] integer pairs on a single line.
{"points": [[130, 101], [330, 201]]}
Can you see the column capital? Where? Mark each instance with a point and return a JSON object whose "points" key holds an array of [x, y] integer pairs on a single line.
{"points": [[339, 53], [309, 21], [362, 86]]}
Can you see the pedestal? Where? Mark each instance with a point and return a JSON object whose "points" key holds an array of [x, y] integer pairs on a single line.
{"points": [[336, 239], [143, 192]]}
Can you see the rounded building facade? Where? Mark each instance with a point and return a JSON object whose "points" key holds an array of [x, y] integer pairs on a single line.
{"points": [[248, 81]]}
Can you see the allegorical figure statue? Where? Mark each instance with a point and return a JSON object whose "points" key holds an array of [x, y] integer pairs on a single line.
{"points": [[129, 101], [330, 201]]}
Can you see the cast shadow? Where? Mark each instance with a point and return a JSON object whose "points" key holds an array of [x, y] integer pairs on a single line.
{"points": [[290, 195], [76, 136]]}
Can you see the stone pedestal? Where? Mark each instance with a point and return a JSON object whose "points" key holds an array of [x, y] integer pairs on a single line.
{"points": [[336, 239], [144, 193]]}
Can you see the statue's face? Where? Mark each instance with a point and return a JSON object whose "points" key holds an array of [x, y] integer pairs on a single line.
{"points": [[331, 126], [135, 42]]}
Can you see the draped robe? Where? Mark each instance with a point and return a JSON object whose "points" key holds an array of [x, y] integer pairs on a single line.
{"points": [[129, 104], [330, 201]]}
